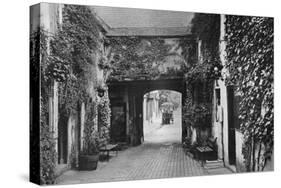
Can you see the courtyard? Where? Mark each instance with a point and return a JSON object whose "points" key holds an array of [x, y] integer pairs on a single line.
{"points": [[161, 156], [168, 94]]}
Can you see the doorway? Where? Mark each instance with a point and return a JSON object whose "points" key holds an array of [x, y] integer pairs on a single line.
{"points": [[118, 122], [62, 139], [162, 117], [231, 125]]}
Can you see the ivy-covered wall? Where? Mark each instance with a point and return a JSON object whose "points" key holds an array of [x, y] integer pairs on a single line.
{"points": [[104, 115], [69, 52], [250, 63], [197, 108], [145, 58]]}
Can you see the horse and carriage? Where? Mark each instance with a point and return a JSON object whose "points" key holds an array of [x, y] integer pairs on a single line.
{"points": [[167, 109]]}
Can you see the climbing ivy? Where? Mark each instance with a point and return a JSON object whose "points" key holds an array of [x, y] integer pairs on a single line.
{"points": [[250, 63], [48, 155], [67, 57], [104, 113], [207, 28], [200, 76], [140, 58], [73, 50]]}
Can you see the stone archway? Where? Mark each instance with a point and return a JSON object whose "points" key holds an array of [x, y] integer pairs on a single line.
{"points": [[143, 63]]}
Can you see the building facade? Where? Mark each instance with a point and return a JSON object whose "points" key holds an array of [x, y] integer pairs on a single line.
{"points": [[67, 131], [225, 120]]}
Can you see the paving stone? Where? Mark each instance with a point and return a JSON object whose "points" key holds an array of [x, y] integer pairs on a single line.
{"points": [[162, 159]]}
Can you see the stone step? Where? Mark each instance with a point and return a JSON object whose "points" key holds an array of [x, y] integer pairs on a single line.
{"points": [[214, 161], [214, 164]]}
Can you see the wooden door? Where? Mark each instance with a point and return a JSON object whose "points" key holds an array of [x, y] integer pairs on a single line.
{"points": [[231, 125], [118, 122], [62, 139]]}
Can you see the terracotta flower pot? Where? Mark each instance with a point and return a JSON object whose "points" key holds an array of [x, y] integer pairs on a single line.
{"points": [[88, 162]]}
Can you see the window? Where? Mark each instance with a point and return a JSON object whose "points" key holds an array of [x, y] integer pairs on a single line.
{"points": [[218, 105]]}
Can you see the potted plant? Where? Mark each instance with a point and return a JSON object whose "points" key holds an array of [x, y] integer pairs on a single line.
{"points": [[89, 156]]}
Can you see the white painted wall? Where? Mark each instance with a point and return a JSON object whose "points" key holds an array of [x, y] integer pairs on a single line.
{"points": [[82, 125], [220, 129], [34, 17], [217, 126], [47, 16], [55, 113], [240, 166]]}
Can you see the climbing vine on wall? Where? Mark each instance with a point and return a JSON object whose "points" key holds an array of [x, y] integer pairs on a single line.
{"points": [[104, 113], [207, 28], [48, 155], [140, 58], [250, 63], [73, 55], [70, 61], [200, 76]]}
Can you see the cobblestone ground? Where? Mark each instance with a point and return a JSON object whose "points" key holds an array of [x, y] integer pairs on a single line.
{"points": [[161, 156], [147, 161]]}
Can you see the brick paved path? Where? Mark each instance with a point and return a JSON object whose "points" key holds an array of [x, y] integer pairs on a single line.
{"points": [[147, 161], [160, 157]]}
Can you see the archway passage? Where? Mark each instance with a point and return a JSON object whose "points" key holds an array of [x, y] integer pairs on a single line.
{"points": [[130, 96], [162, 117]]}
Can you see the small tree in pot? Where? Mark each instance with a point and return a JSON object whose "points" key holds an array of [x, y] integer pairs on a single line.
{"points": [[89, 156]]}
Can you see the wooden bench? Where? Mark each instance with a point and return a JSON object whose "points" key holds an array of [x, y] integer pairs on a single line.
{"points": [[208, 151], [108, 148]]}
